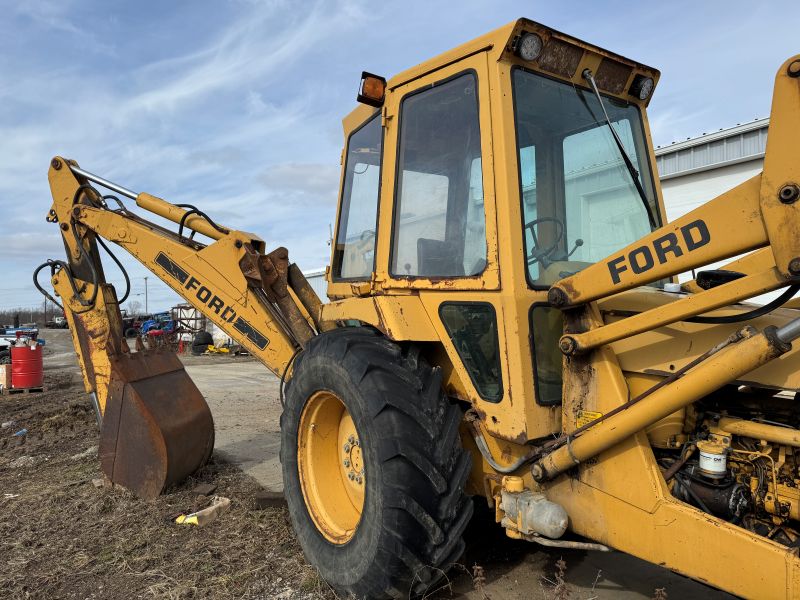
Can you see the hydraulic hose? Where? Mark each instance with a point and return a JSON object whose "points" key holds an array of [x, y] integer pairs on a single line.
{"points": [[487, 454], [787, 295]]}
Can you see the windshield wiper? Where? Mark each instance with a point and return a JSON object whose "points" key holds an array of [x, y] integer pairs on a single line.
{"points": [[587, 75]]}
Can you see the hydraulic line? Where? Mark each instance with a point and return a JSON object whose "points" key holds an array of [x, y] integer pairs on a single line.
{"points": [[53, 264], [193, 210], [477, 435], [787, 295], [121, 268], [678, 464], [754, 350], [572, 545]]}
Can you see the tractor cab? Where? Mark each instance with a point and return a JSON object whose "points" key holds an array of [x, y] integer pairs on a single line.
{"points": [[475, 181]]}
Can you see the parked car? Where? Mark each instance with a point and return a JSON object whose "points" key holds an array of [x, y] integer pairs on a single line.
{"points": [[57, 323]]}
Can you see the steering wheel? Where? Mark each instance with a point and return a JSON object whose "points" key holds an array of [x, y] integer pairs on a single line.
{"points": [[538, 254]]}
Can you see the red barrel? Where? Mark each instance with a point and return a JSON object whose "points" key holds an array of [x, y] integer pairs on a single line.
{"points": [[26, 367]]}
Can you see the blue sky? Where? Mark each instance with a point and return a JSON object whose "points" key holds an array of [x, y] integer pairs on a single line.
{"points": [[236, 106]]}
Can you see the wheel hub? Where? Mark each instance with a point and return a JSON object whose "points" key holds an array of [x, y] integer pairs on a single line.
{"points": [[331, 467], [352, 461]]}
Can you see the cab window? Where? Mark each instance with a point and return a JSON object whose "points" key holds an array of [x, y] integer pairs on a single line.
{"points": [[579, 201], [354, 252], [439, 222]]}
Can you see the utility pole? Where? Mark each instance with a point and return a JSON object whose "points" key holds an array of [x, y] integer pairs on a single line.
{"points": [[146, 309]]}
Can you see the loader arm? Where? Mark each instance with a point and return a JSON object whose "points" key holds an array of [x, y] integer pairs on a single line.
{"points": [[763, 213], [150, 411]]}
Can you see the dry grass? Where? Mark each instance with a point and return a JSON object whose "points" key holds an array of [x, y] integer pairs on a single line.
{"points": [[62, 537]]}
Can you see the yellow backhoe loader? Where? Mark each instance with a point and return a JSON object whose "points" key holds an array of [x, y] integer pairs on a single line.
{"points": [[505, 323]]}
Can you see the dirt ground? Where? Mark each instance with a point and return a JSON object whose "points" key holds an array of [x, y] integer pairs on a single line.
{"points": [[62, 537]]}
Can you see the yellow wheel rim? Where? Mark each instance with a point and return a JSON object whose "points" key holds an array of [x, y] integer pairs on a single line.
{"points": [[331, 466]]}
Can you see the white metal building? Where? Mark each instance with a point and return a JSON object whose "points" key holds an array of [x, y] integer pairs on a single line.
{"points": [[699, 169], [316, 277]]}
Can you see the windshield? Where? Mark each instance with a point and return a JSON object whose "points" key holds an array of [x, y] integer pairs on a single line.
{"points": [[579, 201]]}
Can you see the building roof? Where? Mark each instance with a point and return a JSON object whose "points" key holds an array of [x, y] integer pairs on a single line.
{"points": [[713, 150]]}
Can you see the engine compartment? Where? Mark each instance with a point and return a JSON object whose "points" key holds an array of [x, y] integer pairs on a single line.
{"points": [[735, 454]]}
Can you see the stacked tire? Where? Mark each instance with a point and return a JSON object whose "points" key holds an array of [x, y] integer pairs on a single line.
{"points": [[201, 342]]}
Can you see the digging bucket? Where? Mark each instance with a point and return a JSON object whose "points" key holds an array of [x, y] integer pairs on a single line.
{"points": [[157, 428]]}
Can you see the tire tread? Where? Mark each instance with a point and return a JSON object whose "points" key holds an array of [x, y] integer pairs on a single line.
{"points": [[428, 505]]}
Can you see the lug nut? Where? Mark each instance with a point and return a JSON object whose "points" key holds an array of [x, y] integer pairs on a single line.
{"points": [[346, 462], [351, 438], [359, 480], [351, 476], [347, 447], [355, 442]]}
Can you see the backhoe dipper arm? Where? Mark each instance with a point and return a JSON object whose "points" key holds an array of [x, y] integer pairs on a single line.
{"points": [[231, 281], [763, 212]]}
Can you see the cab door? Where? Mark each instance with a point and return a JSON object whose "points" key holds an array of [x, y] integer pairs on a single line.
{"points": [[437, 202]]}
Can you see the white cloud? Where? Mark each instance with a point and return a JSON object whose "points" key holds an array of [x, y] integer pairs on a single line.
{"points": [[318, 180], [199, 127], [236, 106]]}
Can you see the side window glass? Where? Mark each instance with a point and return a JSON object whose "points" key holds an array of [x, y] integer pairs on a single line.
{"points": [[354, 254], [472, 328], [527, 172], [439, 222], [547, 325]]}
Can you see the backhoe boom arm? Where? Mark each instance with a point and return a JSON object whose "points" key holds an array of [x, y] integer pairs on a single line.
{"points": [[221, 280], [156, 428]]}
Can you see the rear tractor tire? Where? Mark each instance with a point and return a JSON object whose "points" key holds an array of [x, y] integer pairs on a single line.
{"points": [[373, 467]]}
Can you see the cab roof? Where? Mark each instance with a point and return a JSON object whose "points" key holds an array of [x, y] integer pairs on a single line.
{"points": [[499, 44]]}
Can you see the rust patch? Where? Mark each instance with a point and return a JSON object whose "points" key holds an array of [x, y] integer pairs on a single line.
{"points": [[561, 58], [270, 273], [612, 76], [157, 428]]}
